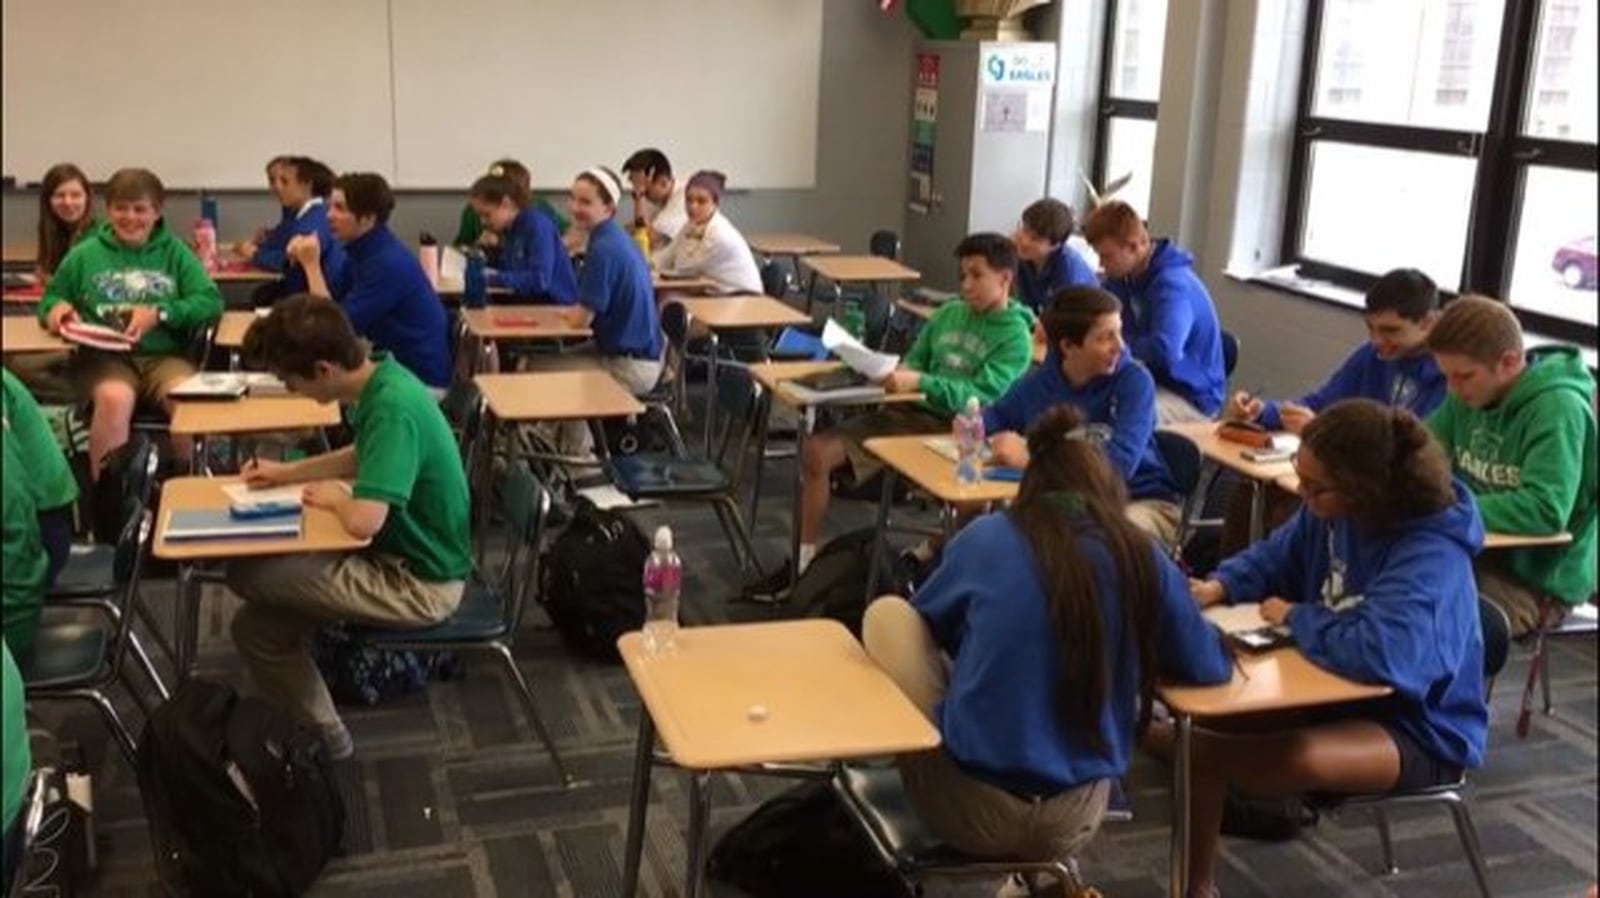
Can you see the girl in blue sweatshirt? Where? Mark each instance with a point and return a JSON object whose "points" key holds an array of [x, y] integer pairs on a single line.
{"points": [[302, 185], [1057, 618], [1374, 578], [532, 263]]}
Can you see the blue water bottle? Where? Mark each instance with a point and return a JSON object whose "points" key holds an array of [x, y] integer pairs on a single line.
{"points": [[475, 289], [208, 210]]}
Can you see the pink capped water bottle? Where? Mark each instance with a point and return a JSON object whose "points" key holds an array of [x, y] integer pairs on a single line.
{"points": [[663, 577], [205, 244], [968, 433]]}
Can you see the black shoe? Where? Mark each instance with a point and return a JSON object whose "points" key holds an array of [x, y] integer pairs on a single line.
{"points": [[772, 589], [1266, 819]]}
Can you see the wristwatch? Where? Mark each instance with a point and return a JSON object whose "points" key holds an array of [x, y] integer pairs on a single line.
{"points": [[161, 315]]}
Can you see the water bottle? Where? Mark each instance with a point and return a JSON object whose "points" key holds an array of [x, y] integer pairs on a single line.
{"points": [[205, 244], [968, 428], [663, 576], [475, 287], [208, 210], [428, 255], [641, 237]]}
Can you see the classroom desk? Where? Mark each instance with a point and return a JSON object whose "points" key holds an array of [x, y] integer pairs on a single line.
{"points": [[870, 270], [1230, 455], [556, 396], [792, 246], [199, 419], [22, 297], [321, 532], [24, 333], [237, 273], [452, 291], [740, 312], [743, 695], [1280, 680], [517, 324], [230, 333], [17, 255]]}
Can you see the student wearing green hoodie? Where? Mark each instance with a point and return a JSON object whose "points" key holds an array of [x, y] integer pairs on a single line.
{"points": [[974, 348], [23, 563], [15, 761], [131, 273], [1520, 431], [49, 478]]}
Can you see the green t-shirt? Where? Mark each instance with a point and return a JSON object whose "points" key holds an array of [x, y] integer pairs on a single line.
{"points": [[406, 457], [22, 553], [15, 760], [45, 466]]}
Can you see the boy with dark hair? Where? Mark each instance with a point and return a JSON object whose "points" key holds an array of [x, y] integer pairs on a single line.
{"points": [[132, 274], [1047, 263], [1167, 314], [974, 348], [381, 287], [1520, 431], [400, 484], [658, 198], [1089, 367]]}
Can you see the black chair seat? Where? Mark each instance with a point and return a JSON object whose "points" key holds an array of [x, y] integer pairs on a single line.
{"points": [[655, 476], [87, 574], [478, 618], [64, 656], [879, 795]]}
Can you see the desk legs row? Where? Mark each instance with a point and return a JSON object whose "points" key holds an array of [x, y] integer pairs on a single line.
{"points": [[639, 808]]}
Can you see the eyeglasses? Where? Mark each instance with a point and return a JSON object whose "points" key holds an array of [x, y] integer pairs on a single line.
{"points": [[1310, 488]]}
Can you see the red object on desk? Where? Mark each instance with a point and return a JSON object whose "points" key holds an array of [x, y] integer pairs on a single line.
{"points": [[235, 266], [26, 290], [516, 320]]}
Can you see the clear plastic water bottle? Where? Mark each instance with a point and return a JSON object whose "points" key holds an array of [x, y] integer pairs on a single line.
{"points": [[663, 577], [968, 433], [475, 286]]}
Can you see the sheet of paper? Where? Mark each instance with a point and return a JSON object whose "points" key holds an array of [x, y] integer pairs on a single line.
{"points": [[869, 364], [1286, 442], [239, 494], [1236, 618], [452, 265], [608, 498]]}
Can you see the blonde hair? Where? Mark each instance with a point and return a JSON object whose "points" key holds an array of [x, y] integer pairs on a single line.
{"points": [[1477, 327]]}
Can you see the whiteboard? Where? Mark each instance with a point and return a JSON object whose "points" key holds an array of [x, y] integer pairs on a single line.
{"points": [[202, 92], [562, 85]]}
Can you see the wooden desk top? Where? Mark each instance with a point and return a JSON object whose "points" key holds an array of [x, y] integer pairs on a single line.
{"points": [[241, 275], [1229, 455], [521, 323], [557, 396], [685, 284], [1279, 680], [21, 297], [774, 377], [19, 254], [916, 309], [815, 694], [935, 474], [454, 288], [847, 269], [24, 333], [780, 244], [321, 532], [232, 327], [251, 414], [743, 310]]}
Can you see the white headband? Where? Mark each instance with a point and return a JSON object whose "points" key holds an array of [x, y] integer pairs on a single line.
{"points": [[608, 183]]}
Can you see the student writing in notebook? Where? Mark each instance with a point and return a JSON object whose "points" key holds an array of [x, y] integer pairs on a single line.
{"points": [[532, 263], [401, 484]]}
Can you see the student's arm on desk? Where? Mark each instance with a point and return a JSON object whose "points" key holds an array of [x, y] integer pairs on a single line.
{"points": [[1550, 466], [998, 371], [337, 465], [361, 518], [1270, 567]]}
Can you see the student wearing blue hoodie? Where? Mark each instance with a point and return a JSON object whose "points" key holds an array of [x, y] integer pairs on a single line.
{"points": [[1035, 648], [302, 185], [1088, 367], [533, 263], [382, 288], [1046, 263], [1167, 313], [1375, 579]]}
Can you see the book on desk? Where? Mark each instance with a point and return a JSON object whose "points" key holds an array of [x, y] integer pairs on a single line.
{"points": [[191, 525], [228, 385]]}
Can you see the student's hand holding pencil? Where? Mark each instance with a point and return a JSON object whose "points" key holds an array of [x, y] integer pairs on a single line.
{"points": [[260, 474], [1242, 406]]}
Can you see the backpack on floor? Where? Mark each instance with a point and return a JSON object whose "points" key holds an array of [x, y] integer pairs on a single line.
{"points": [[591, 581], [801, 844], [834, 584], [359, 674], [241, 800]]}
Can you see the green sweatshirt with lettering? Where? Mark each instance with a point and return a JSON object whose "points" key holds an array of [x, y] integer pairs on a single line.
{"points": [[1530, 462], [961, 354], [102, 278]]}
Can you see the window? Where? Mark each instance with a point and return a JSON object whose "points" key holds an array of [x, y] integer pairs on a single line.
{"points": [[1130, 86], [1455, 136]]}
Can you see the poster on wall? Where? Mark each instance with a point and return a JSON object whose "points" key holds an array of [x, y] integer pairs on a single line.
{"points": [[924, 126], [1016, 85]]}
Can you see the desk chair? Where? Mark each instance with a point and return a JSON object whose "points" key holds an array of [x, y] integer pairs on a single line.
{"points": [[35, 792], [1230, 353], [1496, 648], [775, 282], [490, 613], [1555, 620], [80, 662], [1182, 459]]}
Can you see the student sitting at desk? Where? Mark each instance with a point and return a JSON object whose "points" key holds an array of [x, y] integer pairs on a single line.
{"points": [[1046, 264], [1373, 576], [302, 185], [1090, 369], [471, 231], [1167, 313], [382, 287], [44, 469], [1393, 367], [708, 245], [1520, 430], [657, 197], [1035, 648], [408, 493], [66, 216], [974, 348], [532, 262], [131, 273]]}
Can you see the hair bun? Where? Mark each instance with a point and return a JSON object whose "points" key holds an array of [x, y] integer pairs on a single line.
{"points": [[1053, 428]]}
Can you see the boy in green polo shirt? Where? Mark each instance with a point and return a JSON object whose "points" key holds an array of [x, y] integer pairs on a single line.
{"points": [[401, 485], [48, 476]]}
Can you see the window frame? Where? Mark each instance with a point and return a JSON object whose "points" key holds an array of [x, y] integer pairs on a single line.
{"points": [[1112, 107], [1502, 152]]}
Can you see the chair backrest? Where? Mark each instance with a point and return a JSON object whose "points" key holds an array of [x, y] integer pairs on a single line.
{"points": [[675, 324], [1182, 458], [525, 503], [1230, 353], [774, 280], [1496, 637], [884, 243], [140, 482]]}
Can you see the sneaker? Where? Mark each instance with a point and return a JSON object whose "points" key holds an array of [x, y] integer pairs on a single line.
{"points": [[771, 589], [336, 737]]}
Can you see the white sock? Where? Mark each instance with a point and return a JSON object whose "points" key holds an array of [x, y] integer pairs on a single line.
{"points": [[923, 551], [808, 551]]}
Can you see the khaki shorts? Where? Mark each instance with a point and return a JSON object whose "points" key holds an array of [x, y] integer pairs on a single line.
{"points": [[152, 377], [890, 421]]}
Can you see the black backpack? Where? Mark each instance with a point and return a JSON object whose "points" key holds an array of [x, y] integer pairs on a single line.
{"points": [[802, 844], [591, 580], [241, 800], [360, 674], [834, 584]]}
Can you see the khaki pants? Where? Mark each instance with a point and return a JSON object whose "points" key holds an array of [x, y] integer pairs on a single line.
{"points": [[1174, 409], [289, 597], [971, 815], [637, 376], [1519, 601], [1157, 518]]}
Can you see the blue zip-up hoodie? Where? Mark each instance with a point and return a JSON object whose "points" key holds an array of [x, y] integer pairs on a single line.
{"points": [[1119, 411], [1413, 384], [1062, 268], [391, 303], [616, 287], [1414, 626], [271, 253], [313, 221], [1171, 326], [533, 262], [999, 717]]}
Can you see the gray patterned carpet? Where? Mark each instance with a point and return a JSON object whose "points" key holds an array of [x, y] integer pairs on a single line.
{"points": [[448, 796]]}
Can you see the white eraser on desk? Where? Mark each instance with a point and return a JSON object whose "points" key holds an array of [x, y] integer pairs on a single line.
{"points": [[757, 713]]}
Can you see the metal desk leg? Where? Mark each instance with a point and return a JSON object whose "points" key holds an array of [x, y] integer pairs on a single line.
{"points": [[185, 621], [811, 292], [1258, 509], [699, 818], [808, 417], [764, 413], [197, 462], [711, 391], [638, 804], [1182, 762], [881, 537]]}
